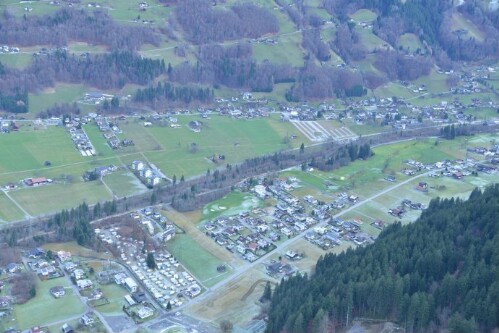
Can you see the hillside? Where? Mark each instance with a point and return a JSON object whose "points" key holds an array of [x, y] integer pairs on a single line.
{"points": [[286, 50], [440, 272]]}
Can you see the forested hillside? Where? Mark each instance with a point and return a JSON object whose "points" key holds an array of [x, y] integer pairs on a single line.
{"points": [[440, 272]]}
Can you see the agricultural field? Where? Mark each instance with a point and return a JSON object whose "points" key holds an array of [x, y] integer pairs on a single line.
{"points": [[60, 93], [287, 50], [28, 149], [123, 183], [60, 196]]}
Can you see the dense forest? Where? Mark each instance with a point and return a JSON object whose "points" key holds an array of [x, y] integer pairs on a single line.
{"points": [[441, 272]]}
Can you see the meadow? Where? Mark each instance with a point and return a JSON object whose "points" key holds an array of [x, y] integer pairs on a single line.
{"points": [[39, 311]]}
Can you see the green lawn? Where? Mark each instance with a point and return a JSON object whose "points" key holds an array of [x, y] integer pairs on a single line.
{"points": [[8, 210], [114, 293], [45, 309], [55, 197], [26, 150], [124, 183], [232, 204], [202, 264]]}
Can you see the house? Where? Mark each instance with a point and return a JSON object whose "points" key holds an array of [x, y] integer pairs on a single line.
{"points": [[37, 181], [13, 268], [138, 165], [129, 300], [291, 255], [79, 274], [130, 284], [38, 329], [84, 284], [57, 291], [422, 186], [36, 253], [64, 256], [139, 297], [457, 175], [70, 266], [67, 328], [87, 319], [145, 312], [120, 278]]}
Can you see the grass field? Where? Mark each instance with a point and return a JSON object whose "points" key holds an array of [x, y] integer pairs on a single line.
{"points": [[114, 293], [61, 93], [55, 197], [29, 149], [8, 210], [231, 204], [287, 50], [123, 183], [363, 15], [16, 60], [201, 263], [409, 42], [459, 22], [169, 148], [41, 310]]}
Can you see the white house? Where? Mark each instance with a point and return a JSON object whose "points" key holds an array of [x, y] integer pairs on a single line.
{"points": [[84, 284], [130, 284]]}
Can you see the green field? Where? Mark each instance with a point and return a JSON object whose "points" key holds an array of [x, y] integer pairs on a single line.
{"points": [[124, 183], [45, 309], [459, 22], [29, 149], [409, 42], [55, 197], [287, 50], [8, 210], [16, 60], [232, 204], [202, 264], [61, 93], [363, 15], [169, 148]]}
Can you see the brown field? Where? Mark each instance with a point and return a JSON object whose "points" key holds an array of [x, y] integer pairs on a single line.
{"points": [[237, 301]]}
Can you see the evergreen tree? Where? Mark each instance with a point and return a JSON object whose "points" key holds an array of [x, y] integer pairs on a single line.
{"points": [[150, 261]]}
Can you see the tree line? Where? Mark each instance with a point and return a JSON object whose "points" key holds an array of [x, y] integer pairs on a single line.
{"points": [[104, 71], [437, 273]]}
